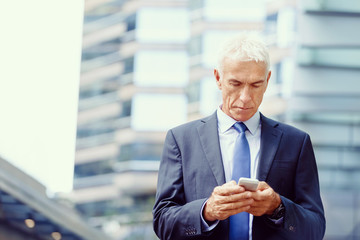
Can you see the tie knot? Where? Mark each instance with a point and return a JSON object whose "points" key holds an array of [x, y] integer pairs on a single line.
{"points": [[240, 127]]}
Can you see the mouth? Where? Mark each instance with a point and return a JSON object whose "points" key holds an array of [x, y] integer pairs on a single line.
{"points": [[243, 108]]}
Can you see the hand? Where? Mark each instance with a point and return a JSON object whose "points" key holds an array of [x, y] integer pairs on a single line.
{"points": [[266, 200], [227, 200]]}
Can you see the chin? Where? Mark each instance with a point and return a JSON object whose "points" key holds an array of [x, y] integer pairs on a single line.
{"points": [[241, 117]]}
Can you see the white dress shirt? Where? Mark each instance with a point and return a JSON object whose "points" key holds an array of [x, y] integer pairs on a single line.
{"points": [[228, 135], [227, 138]]}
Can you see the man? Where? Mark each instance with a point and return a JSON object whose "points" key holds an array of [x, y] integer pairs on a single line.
{"points": [[198, 196]]}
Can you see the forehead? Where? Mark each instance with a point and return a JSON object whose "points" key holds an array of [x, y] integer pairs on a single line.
{"points": [[243, 69]]}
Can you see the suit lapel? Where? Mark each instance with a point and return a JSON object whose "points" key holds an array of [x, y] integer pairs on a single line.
{"points": [[209, 138], [270, 139]]}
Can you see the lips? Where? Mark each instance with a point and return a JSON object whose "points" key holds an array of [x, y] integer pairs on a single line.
{"points": [[243, 108]]}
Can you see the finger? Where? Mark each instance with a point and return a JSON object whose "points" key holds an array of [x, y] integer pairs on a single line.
{"points": [[266, 201], [263, 185], [235, 207], [240, 205], [263, 195], [236, 198], [221, 215], [241, 196], [214, 210], [228, 189], [259, 205], [230, 199], [255, 212], [237, 210], [232, 183]]}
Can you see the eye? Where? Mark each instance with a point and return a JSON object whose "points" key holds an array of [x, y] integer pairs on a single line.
{"points": [[257, 84], [235, 83]]}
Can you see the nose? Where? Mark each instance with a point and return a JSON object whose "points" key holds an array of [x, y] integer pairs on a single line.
{"points": [[245, 95]]}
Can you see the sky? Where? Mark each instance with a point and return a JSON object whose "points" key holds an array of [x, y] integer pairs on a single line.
{"points": [[40, 54]]}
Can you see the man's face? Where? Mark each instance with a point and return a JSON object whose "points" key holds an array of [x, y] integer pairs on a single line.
{"points": [[243, 85]]}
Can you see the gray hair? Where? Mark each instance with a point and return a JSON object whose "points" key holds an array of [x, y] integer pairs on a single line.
{"points": [[243, 48]]}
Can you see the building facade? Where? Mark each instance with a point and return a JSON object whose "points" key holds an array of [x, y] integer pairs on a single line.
{"points": [[26, 212], [134, 70], [146, 67], [325, 103]]}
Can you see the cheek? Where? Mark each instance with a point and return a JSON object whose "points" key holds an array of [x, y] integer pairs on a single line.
{"points": [[230, 96], [258, 97]]}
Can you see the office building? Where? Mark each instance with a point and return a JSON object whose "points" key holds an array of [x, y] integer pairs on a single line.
{"points": [[26, 213], [214, 21], [146, 67], [134, 69], [325, 103]]}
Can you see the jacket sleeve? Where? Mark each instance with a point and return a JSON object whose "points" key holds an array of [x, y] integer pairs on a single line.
{"points": [[304, 213], [174, 218]]}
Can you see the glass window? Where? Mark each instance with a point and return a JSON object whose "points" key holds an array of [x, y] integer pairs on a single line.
{"points": [[287, 75], [347, 57], [114, 42], [194, 46], [101, 87], [128, 65], [271, 23], [131, 22], [210, 43], [93, 168], [345, 6], [158, 112], [140, 151], [90, 132], [325, 81], [285, 28], [105, 208], [235, 10], [170, 25], [193, 91], [126, 109], [161, 68], [195, 4], [91, 91], [210, 96], [314, 30]]}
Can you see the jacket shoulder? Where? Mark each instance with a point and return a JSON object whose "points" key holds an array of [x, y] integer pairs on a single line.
{"points": [[193, 125], [284, 127]]}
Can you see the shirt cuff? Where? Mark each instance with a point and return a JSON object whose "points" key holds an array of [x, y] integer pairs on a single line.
{"points": [[205, 226], [277, 222], [278, 216]]}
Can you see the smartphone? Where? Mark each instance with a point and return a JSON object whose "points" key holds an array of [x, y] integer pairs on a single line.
{"points": [[249, 184]]}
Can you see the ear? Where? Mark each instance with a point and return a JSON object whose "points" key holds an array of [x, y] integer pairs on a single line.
{"points": [[268, 77], [217, 78]]}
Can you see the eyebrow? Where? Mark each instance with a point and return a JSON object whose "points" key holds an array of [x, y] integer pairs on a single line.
{"points": [[260, 81], [234, 80], [256, 82]]}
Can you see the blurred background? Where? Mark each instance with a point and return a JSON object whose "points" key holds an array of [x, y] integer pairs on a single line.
{"points": [[122, 72]]}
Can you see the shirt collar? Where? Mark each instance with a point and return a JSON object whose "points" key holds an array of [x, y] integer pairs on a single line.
{"points": [[225, 122]]}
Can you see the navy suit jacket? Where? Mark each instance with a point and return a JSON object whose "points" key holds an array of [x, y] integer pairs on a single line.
{"points": [[191, 167]]}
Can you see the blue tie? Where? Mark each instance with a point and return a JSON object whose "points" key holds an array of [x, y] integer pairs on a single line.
{"points": [[239, 223]]}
